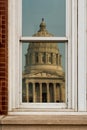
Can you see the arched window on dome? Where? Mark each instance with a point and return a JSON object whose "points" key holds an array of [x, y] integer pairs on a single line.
{"points": [[43, 57], [36, 57]]}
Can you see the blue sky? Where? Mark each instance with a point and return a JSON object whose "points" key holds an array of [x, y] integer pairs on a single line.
{"points": [[53, 11]]}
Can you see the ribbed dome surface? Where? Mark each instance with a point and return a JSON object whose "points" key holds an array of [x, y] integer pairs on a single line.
{"points": [[52, 47], [49, 45]]}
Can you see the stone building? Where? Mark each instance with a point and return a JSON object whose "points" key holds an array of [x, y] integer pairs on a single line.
{"points": [[43, 77]]}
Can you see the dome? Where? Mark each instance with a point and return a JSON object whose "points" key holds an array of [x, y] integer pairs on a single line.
{"points": [[43, 46], [43, 56]]}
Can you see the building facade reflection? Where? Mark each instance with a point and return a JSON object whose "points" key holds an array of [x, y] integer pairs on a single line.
{"points": [[43, 79]]}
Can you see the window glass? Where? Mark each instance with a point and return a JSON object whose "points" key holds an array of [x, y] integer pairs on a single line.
{"points": [[43, 63], [43, 81], [53, 11]]}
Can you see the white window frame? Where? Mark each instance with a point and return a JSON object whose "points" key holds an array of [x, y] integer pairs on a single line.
{"points": [[77, 100], [82, 57]]}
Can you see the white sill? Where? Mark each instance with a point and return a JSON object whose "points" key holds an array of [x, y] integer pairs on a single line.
{"points": [[40, 111], [47, 113]]}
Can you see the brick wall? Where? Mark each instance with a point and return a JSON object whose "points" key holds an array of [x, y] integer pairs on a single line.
{"points": [[3, 56]]}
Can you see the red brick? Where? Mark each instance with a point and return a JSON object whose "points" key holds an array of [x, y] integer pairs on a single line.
{"points": [[3, 56]]}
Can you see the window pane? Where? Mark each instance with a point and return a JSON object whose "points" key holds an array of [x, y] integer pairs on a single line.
{"points": [[43, 72], [53, 11]]}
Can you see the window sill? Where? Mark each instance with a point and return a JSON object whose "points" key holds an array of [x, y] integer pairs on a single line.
{"points": [[44, 120]]}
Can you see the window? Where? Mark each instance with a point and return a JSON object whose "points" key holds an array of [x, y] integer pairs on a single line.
{"points": [[35, 48], [44, 72], [36, 57]]}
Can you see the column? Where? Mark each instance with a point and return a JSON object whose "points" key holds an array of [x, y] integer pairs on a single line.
{"points": [[33, 92], [48, 95], [27, 92], [62, 87], [40, 92], [40, 57], [54, 58], [58, 92], [54, 92]]}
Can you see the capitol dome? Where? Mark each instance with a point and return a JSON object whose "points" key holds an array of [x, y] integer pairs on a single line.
{"points": [[43, 56]]}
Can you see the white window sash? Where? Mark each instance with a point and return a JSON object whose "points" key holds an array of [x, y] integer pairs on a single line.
{"points": [[44, 39], [14, 32], [68, 103], [76, 98], [42, 105]]}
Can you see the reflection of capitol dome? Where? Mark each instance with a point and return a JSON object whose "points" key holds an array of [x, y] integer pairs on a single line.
{"points": [[43, 56], [43, 67]]}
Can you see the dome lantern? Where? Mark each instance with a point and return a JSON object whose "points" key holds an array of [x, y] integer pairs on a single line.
{"points": [[42, 25], [42, 31]]}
